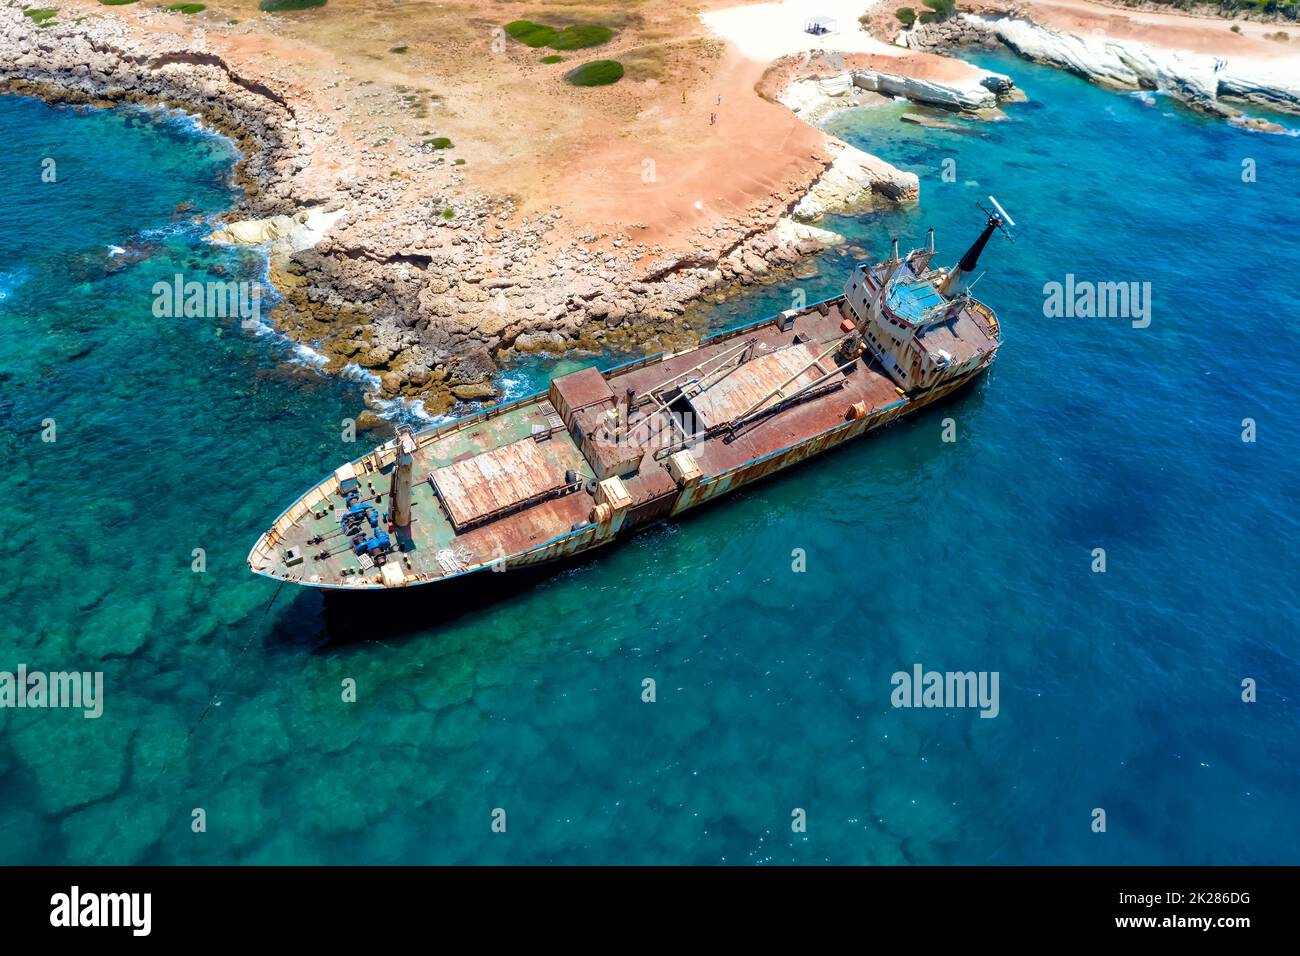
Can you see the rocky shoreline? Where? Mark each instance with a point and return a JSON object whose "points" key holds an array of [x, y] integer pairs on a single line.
{"points": [[1202, 81], [430, 291], [835, 83], [429, 303]]}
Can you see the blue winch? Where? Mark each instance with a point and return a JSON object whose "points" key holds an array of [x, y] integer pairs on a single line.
{"points": [[378, 544], [350, 520]]}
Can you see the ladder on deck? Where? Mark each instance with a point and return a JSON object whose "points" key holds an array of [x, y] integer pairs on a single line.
{"points": [[554, 423], [727, 362]]}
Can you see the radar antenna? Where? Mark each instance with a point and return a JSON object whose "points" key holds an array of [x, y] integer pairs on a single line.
{"points": [[999, 217]]}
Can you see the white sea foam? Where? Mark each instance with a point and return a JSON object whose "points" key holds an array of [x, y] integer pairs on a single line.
{"points": [[354, 372], [512, 387], [183, 119], [306, 355], [10, 281], [407, 410], [169, 231]]}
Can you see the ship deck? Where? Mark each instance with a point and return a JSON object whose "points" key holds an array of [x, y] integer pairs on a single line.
{"points": [[715, 455], [459, 523]]}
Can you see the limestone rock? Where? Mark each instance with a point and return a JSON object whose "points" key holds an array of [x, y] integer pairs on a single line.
{"points": [[252, 232], [474, 391], [851, 181]]}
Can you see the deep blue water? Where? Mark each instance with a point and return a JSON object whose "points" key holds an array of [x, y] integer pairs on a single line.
{"points": [[1118, 690]]}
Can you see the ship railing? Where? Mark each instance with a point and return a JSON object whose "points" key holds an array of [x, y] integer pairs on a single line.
{"points": [[485, 414], [715, 338], [990, 318], [476, 418]]}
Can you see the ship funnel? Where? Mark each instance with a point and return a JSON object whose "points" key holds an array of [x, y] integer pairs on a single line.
{"points": [[956, 279], [894, 254], [930, 236]]}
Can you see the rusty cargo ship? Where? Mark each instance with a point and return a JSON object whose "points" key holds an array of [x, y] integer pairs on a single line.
{"points": [[601, 454]]}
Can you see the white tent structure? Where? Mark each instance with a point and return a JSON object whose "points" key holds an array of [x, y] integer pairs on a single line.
{"points": [[819, 26]]}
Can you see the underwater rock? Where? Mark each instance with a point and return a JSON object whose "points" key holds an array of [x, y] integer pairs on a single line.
{"points": [[23, 837], [1259, 124], [928, 122], [116, 631], [74, 761], [368, 421], [118, 832]]}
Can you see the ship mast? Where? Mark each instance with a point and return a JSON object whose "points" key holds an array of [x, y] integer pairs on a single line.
{"points": [[955, 282], [401, 486]]}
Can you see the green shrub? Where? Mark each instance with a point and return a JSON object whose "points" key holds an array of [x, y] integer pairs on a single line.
{"points": [[939, 11], [439, 142], [581, 37], [529, 33], [570, 38], [906, 16], [116, 3], [596, 73], [449, 214], [288, 6], [186, 8], [553, 58], [399, 49], [40, 15]]}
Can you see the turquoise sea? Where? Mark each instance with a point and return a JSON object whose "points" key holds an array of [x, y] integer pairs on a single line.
{"points": [[1118, 690]]}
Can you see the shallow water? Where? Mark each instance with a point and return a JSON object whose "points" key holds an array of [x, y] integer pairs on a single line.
{"points": [[1118, 690]]}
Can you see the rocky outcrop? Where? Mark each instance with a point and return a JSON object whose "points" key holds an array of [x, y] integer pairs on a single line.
{"points": [[100, 62], [285, 234], [1199, 79], [815, 97], [980, 92], [946, 35], [853, 181], [253, 232], [808, 237]]}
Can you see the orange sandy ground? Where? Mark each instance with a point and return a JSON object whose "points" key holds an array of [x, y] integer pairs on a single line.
{"points": [[638, 158]]}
